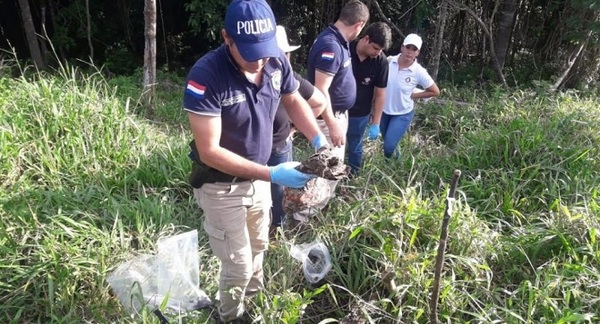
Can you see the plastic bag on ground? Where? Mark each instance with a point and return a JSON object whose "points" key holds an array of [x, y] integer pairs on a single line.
{"points": [[170, 277], [315, 258]]}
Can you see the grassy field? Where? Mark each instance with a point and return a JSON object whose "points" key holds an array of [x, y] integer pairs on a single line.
{"points": [[89, 178]]}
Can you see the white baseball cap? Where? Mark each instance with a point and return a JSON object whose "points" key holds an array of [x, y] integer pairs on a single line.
{"points": [[282, 40], [413, 39]]}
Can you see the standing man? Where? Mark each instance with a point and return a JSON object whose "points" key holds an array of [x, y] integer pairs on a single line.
{"points": [[231, 97], [370, 67], [330, 70]]}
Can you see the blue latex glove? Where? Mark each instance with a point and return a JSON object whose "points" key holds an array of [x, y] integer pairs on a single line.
{"points": [[373, 132], [319, 141], [285, 174]]}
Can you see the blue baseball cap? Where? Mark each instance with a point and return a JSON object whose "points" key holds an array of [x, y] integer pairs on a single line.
{"points": [[251, 25]]}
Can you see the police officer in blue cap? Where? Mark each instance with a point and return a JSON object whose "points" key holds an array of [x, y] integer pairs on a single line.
{"points": [[231, 97]]}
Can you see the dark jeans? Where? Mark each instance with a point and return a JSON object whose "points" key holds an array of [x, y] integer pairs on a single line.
{"points": [[277, 157], [354, 141], [393, 128]]}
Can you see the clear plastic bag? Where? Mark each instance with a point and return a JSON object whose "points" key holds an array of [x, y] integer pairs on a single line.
{"points": [[170, 277], [315, 258]]}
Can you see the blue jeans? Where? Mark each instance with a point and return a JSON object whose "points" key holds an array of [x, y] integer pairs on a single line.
{"points": [[277, 157], [393, 128], [354, 141]]}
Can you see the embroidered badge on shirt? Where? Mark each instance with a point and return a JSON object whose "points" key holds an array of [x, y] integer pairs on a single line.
{"points": [[276, 80], [407, 80], [347, 63], [327, 56], [195, 89], [366, 81], [233, 100]]}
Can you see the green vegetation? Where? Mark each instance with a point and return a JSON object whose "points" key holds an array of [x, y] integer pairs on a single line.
{"points": [[89, 179]]}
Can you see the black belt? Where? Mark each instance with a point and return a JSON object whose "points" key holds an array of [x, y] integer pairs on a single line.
{"points": [[215, 175], [202, 174]]}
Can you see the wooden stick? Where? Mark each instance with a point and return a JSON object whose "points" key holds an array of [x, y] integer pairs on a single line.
{"points": [[439, 261]]}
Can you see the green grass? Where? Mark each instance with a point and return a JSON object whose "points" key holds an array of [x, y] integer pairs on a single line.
{"points": [[88, 179]]}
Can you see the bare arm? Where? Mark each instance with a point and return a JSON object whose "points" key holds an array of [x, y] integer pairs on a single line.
{"points": [[432, 91], [300, 114], [323, 82], [317, 102], [378, 101], [207, 132]]}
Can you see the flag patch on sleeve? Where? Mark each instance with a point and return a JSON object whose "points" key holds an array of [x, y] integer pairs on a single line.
{"points": [[327, 56], [195, 89]]}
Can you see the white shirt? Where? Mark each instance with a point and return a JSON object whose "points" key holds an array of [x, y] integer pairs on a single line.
{"points": [[401, 83]]}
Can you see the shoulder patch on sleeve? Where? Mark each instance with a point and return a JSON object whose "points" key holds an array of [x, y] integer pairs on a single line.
{"points": [[327, 56], [195, 89]]}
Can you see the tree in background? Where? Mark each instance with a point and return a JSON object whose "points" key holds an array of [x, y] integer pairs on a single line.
{"points": [[577, 34], [206, 17], [149, 79], [486, 41], [30, 33]]}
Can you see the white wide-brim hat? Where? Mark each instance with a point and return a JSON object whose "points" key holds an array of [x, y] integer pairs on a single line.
{"points": [[282, 40]]}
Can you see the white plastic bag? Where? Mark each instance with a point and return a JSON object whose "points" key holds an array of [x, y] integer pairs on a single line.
{"points": [[133, 281], [315, 258], [171, 277]]}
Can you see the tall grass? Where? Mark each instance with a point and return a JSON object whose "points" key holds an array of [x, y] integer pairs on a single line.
{"points": [[85, 184], [89, 179]]}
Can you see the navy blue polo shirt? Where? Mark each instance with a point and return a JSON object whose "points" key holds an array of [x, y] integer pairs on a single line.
{"points": [[370, 73], [330, 54], [216, 87]]}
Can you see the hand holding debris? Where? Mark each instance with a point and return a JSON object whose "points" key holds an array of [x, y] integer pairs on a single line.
{"points": [[325, 166]]}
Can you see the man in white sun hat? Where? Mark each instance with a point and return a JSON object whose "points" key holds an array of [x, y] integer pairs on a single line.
{"points": [[282, 40], [405, 75], [282, 135]]}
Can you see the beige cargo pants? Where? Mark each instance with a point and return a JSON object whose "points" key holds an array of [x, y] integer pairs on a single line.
{"points": [[236, 219]]}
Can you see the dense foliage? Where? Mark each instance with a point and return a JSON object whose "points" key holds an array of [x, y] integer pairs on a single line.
{"points": [[469, 40]]}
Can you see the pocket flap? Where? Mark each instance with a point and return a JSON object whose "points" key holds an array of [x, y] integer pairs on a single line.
{"points": [[213, 231]]}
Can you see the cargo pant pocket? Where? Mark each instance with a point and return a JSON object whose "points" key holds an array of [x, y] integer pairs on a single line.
{"points": [[232, 245]]}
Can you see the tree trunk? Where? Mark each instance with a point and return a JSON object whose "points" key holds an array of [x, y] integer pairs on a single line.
{"points": [[584, 60], [150, 52], [89, 29], [386, 19], [439, 38], [568, 68], [32, 41], [505, 28], [457, 42], [45, 38]]}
